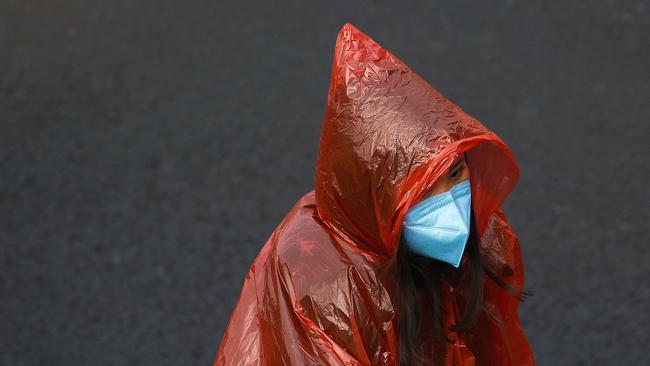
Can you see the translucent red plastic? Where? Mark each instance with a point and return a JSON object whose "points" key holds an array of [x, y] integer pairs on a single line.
{"points": [[321, 291]]}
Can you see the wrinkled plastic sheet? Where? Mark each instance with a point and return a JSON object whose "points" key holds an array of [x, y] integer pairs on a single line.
{"points": [[321, 290]]}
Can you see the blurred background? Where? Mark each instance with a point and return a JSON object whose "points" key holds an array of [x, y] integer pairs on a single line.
{"points": [[149, 148]]}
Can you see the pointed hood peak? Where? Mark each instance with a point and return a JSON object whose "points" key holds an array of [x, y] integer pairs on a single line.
{"points": [[358, 56]]}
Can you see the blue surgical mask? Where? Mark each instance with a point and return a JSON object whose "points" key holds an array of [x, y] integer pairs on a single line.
{"points": [[438, 227]]}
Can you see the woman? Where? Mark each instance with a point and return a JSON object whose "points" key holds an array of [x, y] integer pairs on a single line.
{"points": [[401, 255]]}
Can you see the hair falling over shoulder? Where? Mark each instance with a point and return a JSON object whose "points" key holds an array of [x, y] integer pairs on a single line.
{"points": [[421, 313]]}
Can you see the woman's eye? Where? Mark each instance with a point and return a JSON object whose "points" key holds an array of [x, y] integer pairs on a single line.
{"points": [[456, 172]]}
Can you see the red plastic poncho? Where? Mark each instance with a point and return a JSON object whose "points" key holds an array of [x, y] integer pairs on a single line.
{"points": [[321, 290]]}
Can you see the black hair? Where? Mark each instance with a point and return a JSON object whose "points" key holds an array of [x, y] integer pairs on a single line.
{"points": [[420, 310]]}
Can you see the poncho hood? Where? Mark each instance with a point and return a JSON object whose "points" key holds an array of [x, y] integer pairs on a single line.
{"points": [[387, 136], [321, 290]]}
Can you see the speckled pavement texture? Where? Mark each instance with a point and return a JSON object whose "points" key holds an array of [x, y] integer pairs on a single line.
{"points": [[149, 148]]}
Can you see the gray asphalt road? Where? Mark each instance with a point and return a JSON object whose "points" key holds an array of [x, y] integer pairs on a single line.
{"points": [[148, 149]]}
